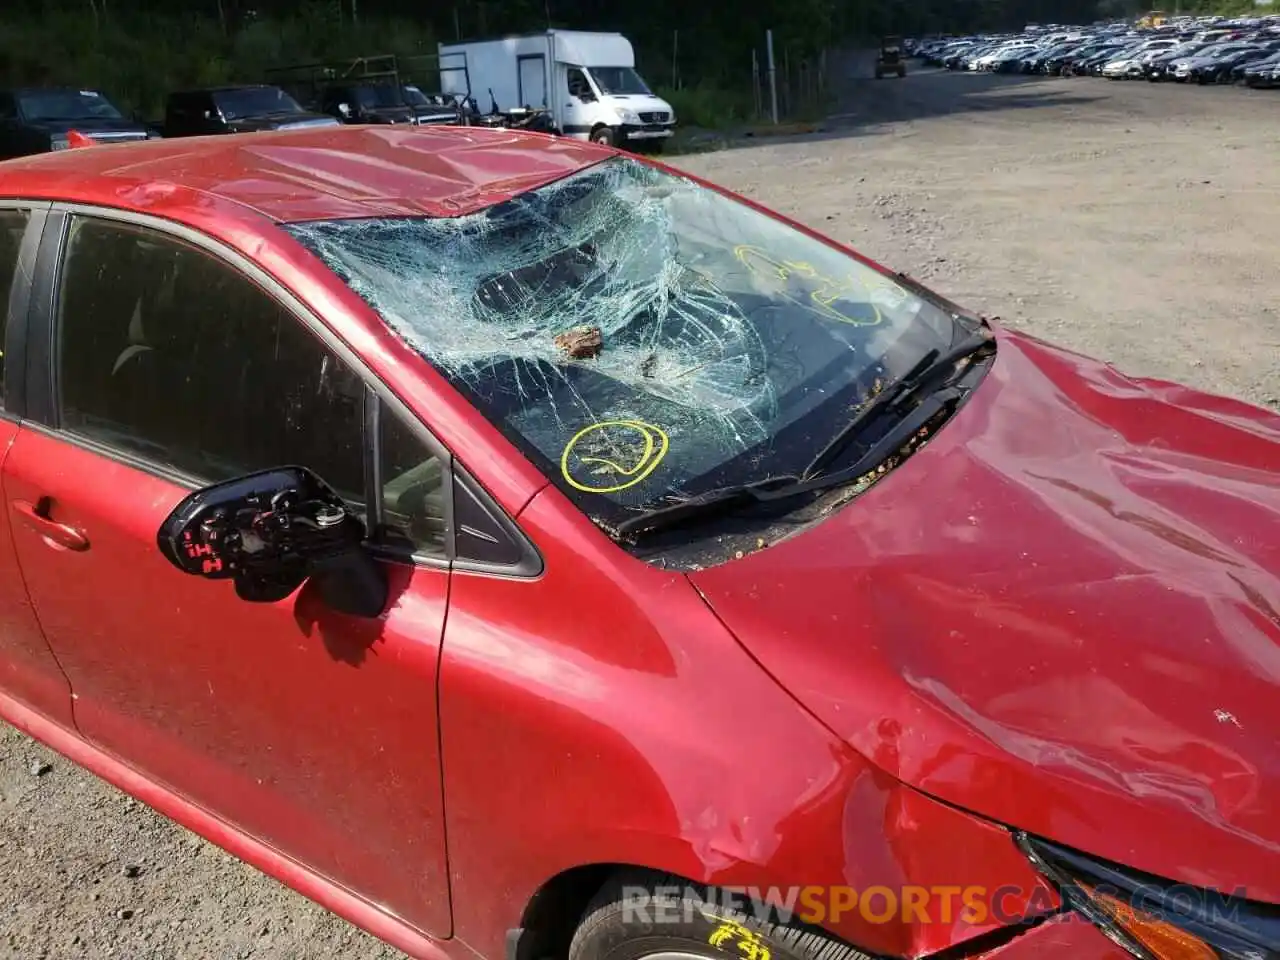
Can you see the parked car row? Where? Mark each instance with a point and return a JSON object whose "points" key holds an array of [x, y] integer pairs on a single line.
{"points": [[572, 83], [42, 119], [1200, 50]]}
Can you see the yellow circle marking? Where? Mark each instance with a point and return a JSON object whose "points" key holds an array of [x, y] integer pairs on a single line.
{"points": [[653, 442], [822, 299]]}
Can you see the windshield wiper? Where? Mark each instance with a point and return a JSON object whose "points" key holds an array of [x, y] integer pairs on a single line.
{"points": [[775, 490], [924, 372]]}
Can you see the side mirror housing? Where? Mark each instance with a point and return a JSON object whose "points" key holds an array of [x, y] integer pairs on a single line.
{"points": [[269, 532]]}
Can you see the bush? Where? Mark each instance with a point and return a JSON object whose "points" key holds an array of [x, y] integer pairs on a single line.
{"points": [[136, 62], [709, 106]]}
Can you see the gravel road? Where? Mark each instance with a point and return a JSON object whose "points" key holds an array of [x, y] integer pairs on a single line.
{"points": [[1126, 220]]}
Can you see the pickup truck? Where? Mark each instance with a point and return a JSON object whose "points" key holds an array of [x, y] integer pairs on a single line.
{"points": [[243, 108], [39, 119]]}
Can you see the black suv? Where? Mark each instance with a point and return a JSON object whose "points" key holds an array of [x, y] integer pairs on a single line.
{"points": [[367, 103], [243, 108], [39, 119]]}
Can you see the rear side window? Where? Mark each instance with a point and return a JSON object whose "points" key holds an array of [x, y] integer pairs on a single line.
{"points": [[13, 225], [172, 355]]}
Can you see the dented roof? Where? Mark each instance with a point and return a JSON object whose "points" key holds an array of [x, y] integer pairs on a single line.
{"points": [[307, 174]]}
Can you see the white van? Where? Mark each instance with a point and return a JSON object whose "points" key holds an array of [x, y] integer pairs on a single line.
{"points": [[586, 80]]}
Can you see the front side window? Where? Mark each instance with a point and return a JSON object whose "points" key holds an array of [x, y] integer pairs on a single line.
{"points": [[172, 355], [413, 489], [13, 226], [37, 105], [638, 336], [578, 86]]}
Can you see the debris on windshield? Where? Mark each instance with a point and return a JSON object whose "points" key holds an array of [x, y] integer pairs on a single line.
{"points": [[581, 343], [733, 340], [504, 300]]}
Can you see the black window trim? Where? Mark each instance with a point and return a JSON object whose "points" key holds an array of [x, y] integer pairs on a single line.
{"points": [[42, 397], [12, 405]]}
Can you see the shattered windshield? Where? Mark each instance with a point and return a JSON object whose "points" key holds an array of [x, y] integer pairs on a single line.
{"points": [[638, 336]]}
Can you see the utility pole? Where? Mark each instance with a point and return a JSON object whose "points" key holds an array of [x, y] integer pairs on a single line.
{"points": [[773, 75]]}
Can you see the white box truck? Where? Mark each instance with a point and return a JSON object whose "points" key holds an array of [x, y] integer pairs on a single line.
{"points": [[586, 81]]}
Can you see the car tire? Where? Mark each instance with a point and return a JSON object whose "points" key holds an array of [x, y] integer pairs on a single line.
{"points": [[654, 918], [603, 136]]}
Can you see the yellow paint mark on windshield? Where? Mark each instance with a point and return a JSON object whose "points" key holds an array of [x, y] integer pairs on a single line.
{"points": [[829, 291], [613, 455]]}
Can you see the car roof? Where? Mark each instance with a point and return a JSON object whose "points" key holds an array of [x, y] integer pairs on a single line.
{"points": [[305, 174]]}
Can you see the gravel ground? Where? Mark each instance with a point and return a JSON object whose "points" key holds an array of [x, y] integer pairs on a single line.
{"points": [[1125, 220]]}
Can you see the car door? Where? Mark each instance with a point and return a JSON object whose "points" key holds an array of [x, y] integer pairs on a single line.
{"points": [[29, 673], [579, 104], [161, 363]]}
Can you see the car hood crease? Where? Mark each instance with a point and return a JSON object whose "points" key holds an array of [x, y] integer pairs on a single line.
{"points": [[1062, 613]]}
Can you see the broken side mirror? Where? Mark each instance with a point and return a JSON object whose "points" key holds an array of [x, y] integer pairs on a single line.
{"points": [[269, 532]]}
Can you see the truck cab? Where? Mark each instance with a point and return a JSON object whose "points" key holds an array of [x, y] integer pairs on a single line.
{"points": [[613, 104], [586, 81]]}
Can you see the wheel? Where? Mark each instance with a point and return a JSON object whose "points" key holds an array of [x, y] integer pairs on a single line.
{"points": [[659, 919], [879, 74], [603, 135], [902, 72]]}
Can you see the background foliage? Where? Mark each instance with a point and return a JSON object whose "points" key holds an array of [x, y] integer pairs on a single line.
{"points": [[137, 50]]}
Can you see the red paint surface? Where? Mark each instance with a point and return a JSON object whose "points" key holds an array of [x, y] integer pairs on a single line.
{"points": [[309, 731], [28, 671], [310, 174], [1059, 615], [1062, 938], [1062, 614], [633, 729]]}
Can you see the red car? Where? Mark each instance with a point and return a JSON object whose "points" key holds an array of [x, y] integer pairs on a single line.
{"points": [[526, 550]]}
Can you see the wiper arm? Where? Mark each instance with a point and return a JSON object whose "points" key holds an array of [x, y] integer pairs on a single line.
{"points": [[777, 489], [924, 372]]}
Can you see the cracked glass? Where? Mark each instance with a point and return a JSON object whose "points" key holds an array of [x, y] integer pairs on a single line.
{"points": [[640, 337]]}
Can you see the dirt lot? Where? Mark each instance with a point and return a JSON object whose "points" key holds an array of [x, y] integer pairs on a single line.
{"points": [[1130, 221]]}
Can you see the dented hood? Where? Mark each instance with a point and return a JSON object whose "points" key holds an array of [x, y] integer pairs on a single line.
{"points": [[1062, 614]]}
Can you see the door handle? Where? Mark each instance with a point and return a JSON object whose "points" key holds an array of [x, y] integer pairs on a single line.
{"points": [[35, 516]]}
